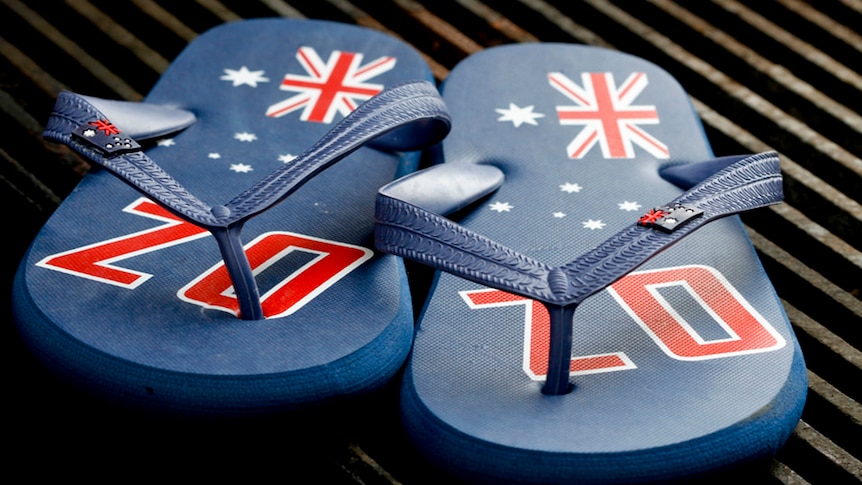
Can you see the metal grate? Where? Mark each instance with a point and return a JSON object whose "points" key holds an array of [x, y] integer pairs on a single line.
{"points": [[772, 74]]}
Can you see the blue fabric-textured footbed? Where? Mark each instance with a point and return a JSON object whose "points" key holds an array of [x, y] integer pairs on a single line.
{"points": [[468, 399], [150, 346]]}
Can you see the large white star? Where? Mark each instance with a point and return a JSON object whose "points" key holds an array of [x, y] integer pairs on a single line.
{"points": [[240, 168], [245, 136], [519, 116], [501, 206], [244, 76], [166, 142], [286, 158], [629, 206], [567, 187], [591, 224]]}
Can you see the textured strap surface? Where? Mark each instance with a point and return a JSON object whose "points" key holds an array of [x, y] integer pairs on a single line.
{"points": [[73, 113], [411, 114], [394, 109], [409, 231], [748, 184]]}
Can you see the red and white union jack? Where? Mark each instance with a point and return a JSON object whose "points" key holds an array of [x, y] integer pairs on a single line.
{"points": [[606, 112], [335, 86]]}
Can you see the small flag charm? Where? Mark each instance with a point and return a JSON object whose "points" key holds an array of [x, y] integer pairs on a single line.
{"points": [[107, 138], [669, 218]]}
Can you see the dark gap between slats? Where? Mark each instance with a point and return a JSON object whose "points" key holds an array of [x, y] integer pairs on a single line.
{"points": [[829, 420], [146, 28], [813, 34], [811, 465], [98, 45], [412, 31], [829, 313]]}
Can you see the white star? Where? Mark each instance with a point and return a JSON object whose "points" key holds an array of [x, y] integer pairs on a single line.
{"points": [[240, 168], [518, 115], [166, 142], [501, 206], [286, 158], [559, 215], [214, 155], [629, 206], [244, 76], [591, 224], [245, 136], [567, 187]]}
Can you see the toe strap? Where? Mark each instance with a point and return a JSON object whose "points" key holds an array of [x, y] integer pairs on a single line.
{"points": [[410, 231], [410, 115], [750, 183]]}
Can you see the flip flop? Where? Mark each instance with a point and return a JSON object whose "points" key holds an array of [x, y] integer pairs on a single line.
{"points": [[125, 295], [565, 340]]}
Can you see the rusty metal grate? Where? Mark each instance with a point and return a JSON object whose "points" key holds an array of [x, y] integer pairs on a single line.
{"points": [[771, 74]]}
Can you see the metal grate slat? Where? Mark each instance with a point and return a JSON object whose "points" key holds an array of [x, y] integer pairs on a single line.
{"points": [[165, 18], [365, 20], [763, 75], [120, 35], [775, 71], [74, 51]]}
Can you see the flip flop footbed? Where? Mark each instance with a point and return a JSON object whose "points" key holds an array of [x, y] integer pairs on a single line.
{"points": [[121, 296], [686, 365]]}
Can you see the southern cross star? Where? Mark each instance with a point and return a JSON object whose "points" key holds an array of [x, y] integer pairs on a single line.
{"points": [[240, 168], [245, 136], [519, 116], [591, 224], [629, 206], [501, 206], [569, 188], [244, 76]]}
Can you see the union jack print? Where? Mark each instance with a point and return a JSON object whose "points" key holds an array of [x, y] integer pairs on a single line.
{"points": [[335, 86], [607, 115]]}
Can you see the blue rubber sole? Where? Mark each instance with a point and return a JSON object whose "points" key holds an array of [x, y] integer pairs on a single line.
{"points": [[685, 366], [125, 300]]}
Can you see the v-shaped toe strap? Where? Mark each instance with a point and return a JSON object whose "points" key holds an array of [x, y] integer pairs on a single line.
{"points": [[410, 231], [410, 115]]}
